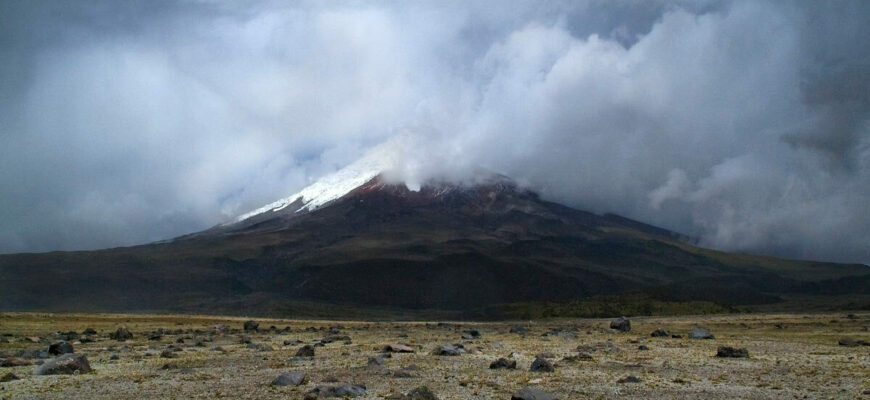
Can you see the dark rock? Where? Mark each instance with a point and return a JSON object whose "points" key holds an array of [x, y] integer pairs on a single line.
{"points": [[579, 357], [642, 348], [733, 352], [339, 391], [519, 329], [629, 379], [65, 364], [448, 350], [530, 393], [121, 335], [68, 336], [115, 357], [503, 363], [621, 324], [86, 339], [292, 342], [294, 378], [660, 333], [305, 351], [251, 326], [542, 365], [245, 340], [9, 377], [700, 333], [89, 331], [168, 354], [403, 373], [852, 342], [168, 366], [13, 362], [59, 348], [421, 393], [471, 334], [676, 336], [334, 338], [155, 336]]}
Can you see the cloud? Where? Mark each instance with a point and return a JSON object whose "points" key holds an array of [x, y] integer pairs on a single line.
{"points": [[745, 124]]}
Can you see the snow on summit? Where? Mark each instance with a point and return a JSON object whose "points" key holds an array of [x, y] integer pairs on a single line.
{"points": [[335, 185]]}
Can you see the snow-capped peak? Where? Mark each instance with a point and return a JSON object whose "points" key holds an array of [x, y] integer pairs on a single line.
{"points": [[335, 185]]}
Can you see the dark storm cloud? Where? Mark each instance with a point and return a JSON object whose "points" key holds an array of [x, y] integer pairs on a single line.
{"points": [[742, 123]]}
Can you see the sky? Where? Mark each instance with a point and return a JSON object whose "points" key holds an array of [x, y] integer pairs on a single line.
{"points": [[745, 124]]}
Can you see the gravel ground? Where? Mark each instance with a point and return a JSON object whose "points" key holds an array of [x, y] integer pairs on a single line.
{"points": [[790, 357]]}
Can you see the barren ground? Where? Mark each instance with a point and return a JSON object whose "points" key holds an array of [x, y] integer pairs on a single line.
{"points": [[790, 357]]}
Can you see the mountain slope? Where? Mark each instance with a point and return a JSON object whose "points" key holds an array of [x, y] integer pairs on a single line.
{"points": [[356, 239]]}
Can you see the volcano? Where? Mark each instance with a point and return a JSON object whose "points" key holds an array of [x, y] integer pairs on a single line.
{"points": [[359, 240]]}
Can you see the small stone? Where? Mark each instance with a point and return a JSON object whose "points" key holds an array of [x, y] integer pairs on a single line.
{"points": [[305, 351], [629, 379], [660, 333], [448, 350], [121, 334], [65, 364], [642, 348], [89, 331], [13, 362], [292, 342], [9, 377], [398, 348], [59, 348], [731, 352], [530, 393], [294, 378], [115, 357], [621, 324], [700, 333], [542, 365], [402, 373], [421, 393], [168, 354], [852, 342], [503, 363], [251, 326]]}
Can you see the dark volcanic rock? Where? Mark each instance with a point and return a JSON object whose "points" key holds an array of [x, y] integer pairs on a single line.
{"points": [[852, 342], [251, 326], [629, 379], [421, 393], [121, 335], [621, 324], [503, 363], [305, 351], [530, 393], [334, 338], [542, 365], [733, 352], [448, 350], [59, 348], [471, 334], [9, 377], [660, 333], [339, 391], [292, 342], [89, 331], [13, 362], [65, 364], [294, 378], [700, 333]]}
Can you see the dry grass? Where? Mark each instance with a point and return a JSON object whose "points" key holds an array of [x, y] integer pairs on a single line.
{"points": [[798, 359]]}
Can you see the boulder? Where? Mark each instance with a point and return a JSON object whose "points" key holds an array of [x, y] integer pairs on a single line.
{"points": [[621, 324], [530, 393], [731, 352], [59, 348], [700, 333], [65, 364], [294, 378], [503, 363], [13, 362], [542, 365]]}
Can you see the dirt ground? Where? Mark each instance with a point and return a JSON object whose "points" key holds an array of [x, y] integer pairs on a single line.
{"points": [[790, 357]]}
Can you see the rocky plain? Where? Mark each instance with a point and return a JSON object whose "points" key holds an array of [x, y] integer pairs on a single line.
{"points": [[748, 356]]}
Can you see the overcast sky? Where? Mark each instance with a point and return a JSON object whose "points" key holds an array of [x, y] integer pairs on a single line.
{"points": [[746, 124]]}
